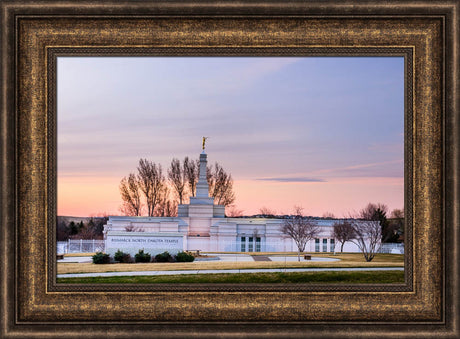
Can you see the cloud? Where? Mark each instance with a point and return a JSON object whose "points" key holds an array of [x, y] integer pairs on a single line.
{"points": [[392, 168], [298, 179]]}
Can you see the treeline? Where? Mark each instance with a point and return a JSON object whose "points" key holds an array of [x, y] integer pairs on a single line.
{"points": [[390, 230], [152, 192], [80, 228], [367, 230]]}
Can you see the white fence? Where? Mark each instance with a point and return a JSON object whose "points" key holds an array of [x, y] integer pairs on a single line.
{"points": [[262, 246], [80, 246], [394, 248], [90, 246]]}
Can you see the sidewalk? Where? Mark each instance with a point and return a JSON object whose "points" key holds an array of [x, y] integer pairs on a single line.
{"points": [[258, 270]]}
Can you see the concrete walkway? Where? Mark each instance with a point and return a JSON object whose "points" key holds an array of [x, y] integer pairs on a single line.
{"points": [[258, 270], [260, 258], [291, 258], [76, 259]]}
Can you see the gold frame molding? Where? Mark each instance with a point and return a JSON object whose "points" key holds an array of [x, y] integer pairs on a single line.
{"points": [[426, 34]]}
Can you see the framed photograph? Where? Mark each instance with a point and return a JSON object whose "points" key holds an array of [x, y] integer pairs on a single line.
{"points": [[272, 145], [39, 42]]}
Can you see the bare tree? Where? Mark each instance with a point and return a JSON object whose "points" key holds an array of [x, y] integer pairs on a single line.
{"points": [[300, 229], [86, 233], [170, 208], [151, 182], [191, 174], [368, 237], [343, 231], [178, 178], [265, 211], [166, 206], [328, 215], [233, 212], [131, 196], [210, 178], [378, 212], [220, 185], [370, 212], [397, 213]]}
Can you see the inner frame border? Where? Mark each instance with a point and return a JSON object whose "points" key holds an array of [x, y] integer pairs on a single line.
{"points": [[328, 51]]}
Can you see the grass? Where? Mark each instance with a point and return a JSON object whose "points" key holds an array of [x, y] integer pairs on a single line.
{"points": [[346, 260], [358, 277], [85, 254]]}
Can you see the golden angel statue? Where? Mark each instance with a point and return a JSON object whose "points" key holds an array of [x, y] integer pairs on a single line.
{"points": [[204, 141]]}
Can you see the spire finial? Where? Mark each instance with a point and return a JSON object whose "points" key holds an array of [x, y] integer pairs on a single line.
{"points": [[204, 141]]}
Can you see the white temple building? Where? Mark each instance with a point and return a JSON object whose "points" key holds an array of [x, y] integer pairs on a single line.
{"points": [[202, 225]]}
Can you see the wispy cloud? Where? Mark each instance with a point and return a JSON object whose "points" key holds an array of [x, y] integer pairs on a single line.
{"points": [[298, 179], [359, 166]]}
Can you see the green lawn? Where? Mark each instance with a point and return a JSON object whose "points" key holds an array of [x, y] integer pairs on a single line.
{"points": [[356, 277], [346, 260]]}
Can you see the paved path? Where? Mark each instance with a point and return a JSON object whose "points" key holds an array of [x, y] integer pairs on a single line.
{"points": [[258, 270], [294, 258], [76, 259], [260, 258]]}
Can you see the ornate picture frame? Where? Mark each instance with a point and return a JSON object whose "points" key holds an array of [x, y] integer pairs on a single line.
{"points": [[33, 304]]}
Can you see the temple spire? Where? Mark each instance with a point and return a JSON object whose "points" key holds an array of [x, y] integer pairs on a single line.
{"points": [[202, 187], [201, 205]]}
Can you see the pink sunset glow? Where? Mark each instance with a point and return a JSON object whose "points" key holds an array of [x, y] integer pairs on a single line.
{"points": [[93, 196]]}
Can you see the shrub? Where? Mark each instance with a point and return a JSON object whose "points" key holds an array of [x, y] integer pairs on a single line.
{"points": [[122, 257], [101, 258], [142, 257], [184, 257], [164, 257]]}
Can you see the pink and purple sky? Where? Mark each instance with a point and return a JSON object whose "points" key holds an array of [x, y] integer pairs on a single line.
{"points": [[324, 133]]}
